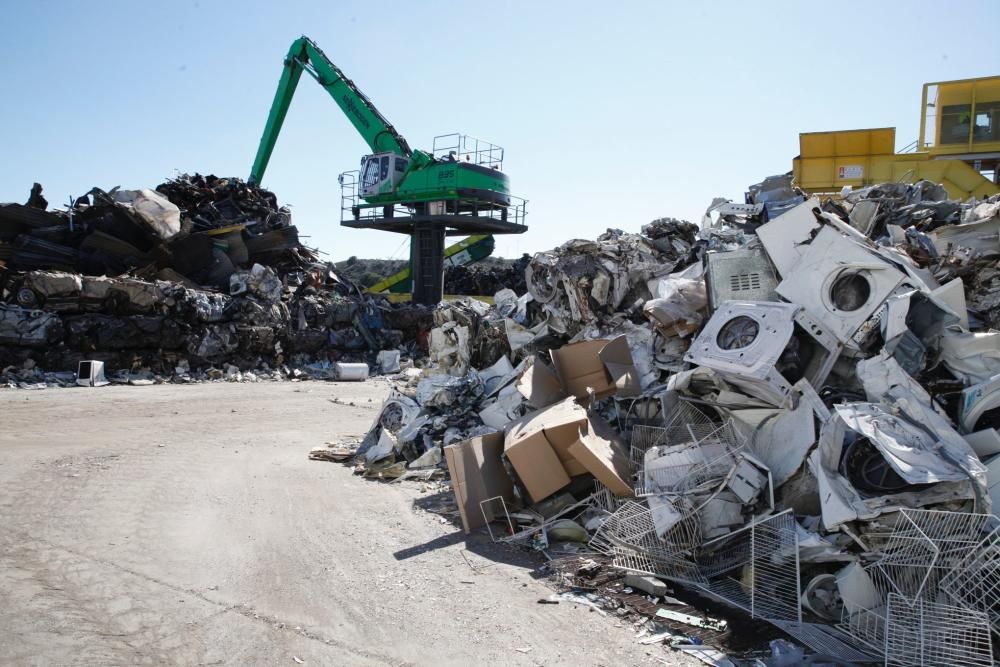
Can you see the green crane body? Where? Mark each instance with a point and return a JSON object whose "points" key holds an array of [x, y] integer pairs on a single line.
{"points": [[394, 174]]}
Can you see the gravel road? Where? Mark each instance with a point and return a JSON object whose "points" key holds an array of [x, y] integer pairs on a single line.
{"points": [[184, 525]]}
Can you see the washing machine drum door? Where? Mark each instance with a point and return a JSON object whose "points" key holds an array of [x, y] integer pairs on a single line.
{"points": [[737, 333], [850, 292]]}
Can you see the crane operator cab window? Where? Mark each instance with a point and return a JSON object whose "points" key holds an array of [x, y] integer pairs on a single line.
{"points": [[381, 170]]}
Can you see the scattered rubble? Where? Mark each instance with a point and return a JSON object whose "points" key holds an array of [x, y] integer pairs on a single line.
{"points": [[786, 418]]}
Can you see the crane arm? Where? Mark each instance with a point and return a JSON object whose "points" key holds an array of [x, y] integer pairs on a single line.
{"points": [[305, 56]]}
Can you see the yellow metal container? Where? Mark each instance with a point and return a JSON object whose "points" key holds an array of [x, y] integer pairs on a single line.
{"points": [[877, 141], [830, 160]]}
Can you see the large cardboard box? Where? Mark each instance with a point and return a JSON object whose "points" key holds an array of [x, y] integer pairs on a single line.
{"points": [[537, 467], [560, 425], [537, 444], [605, 460], [477, 473], [549, 446]]}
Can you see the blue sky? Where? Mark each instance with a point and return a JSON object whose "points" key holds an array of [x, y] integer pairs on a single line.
{"points": [[611, 114]]}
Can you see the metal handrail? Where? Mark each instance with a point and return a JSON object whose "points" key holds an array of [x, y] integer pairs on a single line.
{"points": [[465, 148], [354, 208], [350, 195]]}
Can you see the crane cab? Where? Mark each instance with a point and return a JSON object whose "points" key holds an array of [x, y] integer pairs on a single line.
{"points": [[381, 173]]}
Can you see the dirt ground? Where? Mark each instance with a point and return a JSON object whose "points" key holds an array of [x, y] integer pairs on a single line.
{"points": [[184, 525]]}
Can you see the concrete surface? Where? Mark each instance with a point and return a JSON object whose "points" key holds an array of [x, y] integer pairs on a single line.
{"points": [[184, 525]]}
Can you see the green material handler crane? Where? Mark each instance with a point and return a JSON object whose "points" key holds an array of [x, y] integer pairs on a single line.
{"points": [[456, 189]]}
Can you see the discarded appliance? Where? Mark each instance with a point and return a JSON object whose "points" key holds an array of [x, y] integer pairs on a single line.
{"points": [[90, 373], [765, 347], [979, 406], [841, 283], [784, 239], [350, 372], [739, 275]]}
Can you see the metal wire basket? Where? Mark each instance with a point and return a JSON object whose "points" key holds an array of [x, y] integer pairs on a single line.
{"points": [[691, 451], [920, 558], [926, 545], [975, 581], [928, 633], [756, 568], [630, 536]]}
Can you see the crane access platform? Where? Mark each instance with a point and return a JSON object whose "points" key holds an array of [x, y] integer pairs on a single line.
{"points": [[446, 208]]}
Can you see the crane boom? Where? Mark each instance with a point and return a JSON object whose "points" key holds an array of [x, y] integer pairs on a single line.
{"points": [[305, 55]]}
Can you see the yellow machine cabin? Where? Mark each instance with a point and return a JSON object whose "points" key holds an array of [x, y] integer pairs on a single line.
{"points": [[959, 146]]}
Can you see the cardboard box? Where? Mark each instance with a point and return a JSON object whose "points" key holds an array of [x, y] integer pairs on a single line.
{"points": [[477, 473], [537, 443], [549, 446], [617, 359], [537, 466], [605, 460], [580, 368], [601, 365], [540, 385]]}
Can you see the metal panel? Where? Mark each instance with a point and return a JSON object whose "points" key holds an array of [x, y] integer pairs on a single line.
{"points": [[740, 275]]}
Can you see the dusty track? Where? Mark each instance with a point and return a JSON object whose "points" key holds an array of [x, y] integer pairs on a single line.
{"points": [[184, 525]]}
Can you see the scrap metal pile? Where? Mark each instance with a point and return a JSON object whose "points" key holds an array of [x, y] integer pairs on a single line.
{"points": [[195, 229], [791, 411], [203, 278], [486, 279]]}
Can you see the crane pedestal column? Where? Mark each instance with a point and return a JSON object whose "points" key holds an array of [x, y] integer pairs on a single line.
{"points": [[427, 262]]}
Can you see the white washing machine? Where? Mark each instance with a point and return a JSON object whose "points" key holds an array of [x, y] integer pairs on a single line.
{"points": [[978, 406], [841, 283], [765, 347]]}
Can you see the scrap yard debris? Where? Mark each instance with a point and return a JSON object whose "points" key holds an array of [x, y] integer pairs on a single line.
{"points": [[204, 278], [786, 419], [768, 439]]}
